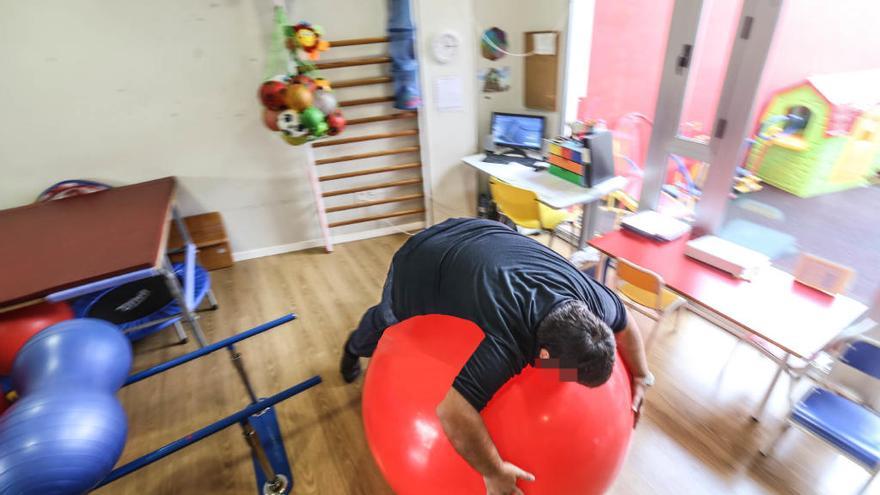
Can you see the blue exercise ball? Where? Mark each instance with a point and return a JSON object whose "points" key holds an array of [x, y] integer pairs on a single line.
{"points": [[60, 442], [83, 353]]}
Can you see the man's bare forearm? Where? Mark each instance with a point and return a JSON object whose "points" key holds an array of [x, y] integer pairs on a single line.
{"points": [[465, 429], [632, 349]]}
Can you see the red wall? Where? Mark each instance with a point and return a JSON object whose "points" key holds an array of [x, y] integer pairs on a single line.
{"points": [[629, 43]]}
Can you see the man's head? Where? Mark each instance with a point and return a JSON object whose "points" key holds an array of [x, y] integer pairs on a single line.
{"points": [[575, 338]]}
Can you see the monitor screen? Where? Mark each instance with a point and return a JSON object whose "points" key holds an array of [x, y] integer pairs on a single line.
{"points": [[518, 131]]}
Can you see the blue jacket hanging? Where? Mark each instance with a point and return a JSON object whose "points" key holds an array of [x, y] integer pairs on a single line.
{"points": [[404, 67]]}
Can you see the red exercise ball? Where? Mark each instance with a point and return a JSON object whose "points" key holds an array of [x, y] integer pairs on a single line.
{"points": [[16, 327], [572, 438]]}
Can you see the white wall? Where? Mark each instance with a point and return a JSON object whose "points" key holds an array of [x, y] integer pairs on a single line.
{"points": [[517, 17], [447, 136], [126, 91]]}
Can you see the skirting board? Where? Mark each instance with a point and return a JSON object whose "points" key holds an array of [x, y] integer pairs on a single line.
{"points": [[313, 243]]}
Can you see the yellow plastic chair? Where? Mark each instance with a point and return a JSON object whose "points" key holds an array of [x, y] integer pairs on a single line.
{"points": [[522, 207], [645, 292]]}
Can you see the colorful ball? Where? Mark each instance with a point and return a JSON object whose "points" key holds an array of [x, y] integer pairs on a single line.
{"points": [[325, 101], [16, 327], [572, 438], [270, 118], [336, 122], [298, 97], [272, 94], [322, 83], [290, 124], [320, 129], [306, 81], [311, 117]]}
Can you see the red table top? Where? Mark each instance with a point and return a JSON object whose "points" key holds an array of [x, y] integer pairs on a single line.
{"points": [[794, 317], [47, 247]]}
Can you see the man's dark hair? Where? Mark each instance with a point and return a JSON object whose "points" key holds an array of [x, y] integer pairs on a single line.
{"points": [[578, 339]]}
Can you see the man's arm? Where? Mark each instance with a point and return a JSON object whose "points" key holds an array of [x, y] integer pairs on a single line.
{"points": [[632, 349], [465, 429]]}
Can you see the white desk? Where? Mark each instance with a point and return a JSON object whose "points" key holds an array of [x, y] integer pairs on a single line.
{"points": [[551, 190]]}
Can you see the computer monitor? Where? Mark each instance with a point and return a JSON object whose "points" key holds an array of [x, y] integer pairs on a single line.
{"points": [[517, 131]]}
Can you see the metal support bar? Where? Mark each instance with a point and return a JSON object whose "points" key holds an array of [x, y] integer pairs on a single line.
{"points": [[189, 276], [172, 363], [253, 439], [181, 226], [242, 373], [107, 283], [207, 431], [176, 290]]}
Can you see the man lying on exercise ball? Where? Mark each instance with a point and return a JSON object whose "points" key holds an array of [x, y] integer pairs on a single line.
{"points": [[529, 301]]}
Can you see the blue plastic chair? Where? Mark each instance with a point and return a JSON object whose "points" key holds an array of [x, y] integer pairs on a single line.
{"points": [[842, 421]]}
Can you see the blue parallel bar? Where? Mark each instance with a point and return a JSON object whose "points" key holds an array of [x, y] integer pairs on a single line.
{"points": [[107, 283], [208, 349], [189, 280], [207, 431]]}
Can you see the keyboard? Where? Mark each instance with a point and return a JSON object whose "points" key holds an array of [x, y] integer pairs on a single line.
{"points": [[522, 160]]}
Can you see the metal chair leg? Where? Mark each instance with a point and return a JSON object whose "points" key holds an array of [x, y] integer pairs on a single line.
{"points": [[653, 336], [770, 447], [677, 317], [756, 416], [181, 333], [212, 300]]}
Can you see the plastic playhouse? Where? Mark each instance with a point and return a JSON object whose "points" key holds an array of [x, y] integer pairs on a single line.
{"points": [[820, 136]]}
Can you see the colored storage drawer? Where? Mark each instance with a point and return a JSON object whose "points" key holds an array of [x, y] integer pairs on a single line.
{"points": [[566, 175], [573, 167]]}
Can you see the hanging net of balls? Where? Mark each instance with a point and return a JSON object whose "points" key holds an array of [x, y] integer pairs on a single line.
{"points": [[298, 103]]}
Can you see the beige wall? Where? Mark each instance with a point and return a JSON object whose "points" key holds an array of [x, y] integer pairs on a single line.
{"points": [[126, 91], [517, 17]]}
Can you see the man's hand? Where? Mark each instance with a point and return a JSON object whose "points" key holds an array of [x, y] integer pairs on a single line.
{"points": [[503, 482], [638, 398], [465, 429]]}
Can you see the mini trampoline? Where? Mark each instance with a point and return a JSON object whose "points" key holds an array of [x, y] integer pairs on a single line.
{"points": [[142, 307]]}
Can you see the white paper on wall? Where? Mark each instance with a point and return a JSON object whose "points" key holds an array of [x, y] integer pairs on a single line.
{"points": [[544, 44], [449, 93]]}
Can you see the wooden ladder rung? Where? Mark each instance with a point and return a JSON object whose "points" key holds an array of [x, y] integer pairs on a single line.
{"points": [[370, 137], [359, 41], [366, 81], [371, 218], [382, 185], [370, 154], [370, 171], [382, 118], [398, 199], [352, 62], [366, 101]]}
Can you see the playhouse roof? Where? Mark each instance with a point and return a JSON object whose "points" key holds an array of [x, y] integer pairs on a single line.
{"points": [[860, 89]]}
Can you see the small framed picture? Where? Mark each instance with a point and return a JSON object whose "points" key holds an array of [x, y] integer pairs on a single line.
{"points": [[821, 274]]}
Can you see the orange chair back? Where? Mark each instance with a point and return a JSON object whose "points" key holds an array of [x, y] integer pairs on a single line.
{"points": [[641, 278]]}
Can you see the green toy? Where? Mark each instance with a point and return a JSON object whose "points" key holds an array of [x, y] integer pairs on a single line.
{"points": [[310, 118]]}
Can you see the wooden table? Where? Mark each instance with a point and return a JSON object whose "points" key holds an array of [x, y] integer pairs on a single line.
{"points": [[57, 250], [551, 190], [796, 319]]}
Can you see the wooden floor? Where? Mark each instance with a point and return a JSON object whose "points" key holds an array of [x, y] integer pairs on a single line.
{"points": [[695, 436]]}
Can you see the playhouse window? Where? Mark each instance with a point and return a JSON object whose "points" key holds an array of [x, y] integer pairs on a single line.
{"points": [[800, 121]]}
